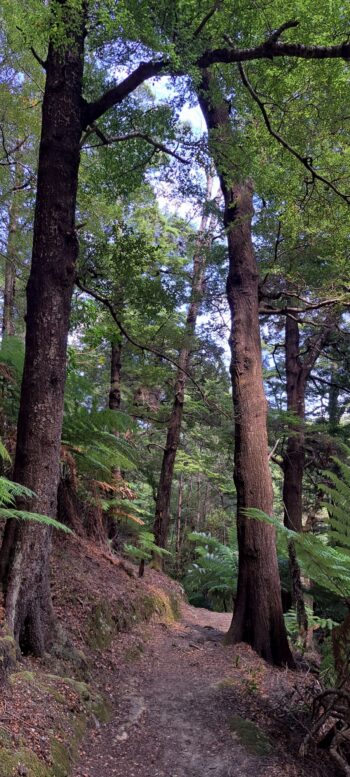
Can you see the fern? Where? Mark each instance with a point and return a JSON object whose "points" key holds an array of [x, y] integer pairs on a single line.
{"points": [[213, 574], [314, 622], [329, 567], [145, 547], [9, 493]]}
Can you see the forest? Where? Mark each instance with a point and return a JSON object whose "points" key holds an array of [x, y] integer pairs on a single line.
{"points": [[174, 388]]}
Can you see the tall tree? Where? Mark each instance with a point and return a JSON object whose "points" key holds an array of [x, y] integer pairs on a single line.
{"points": [[204, 239], [258, 617], [65, 114]]}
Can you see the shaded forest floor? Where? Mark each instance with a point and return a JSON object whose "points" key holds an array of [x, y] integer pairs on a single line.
{"points": [[184, 705], [150, 694]]}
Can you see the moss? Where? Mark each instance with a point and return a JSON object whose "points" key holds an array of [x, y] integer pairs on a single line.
{"points": [[23, 677], [156, 602], [104, 622], [250, 736], [11, 760], [61, 760], [134, 652], [101, 626], [93, 702], [8, 655], [5, 737], [64, 754]]}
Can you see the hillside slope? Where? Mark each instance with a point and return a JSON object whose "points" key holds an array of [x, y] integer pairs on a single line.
{"points": [[141, 682]]}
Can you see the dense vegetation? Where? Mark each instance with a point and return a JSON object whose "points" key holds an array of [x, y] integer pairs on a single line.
{"points": [[174, 206]]}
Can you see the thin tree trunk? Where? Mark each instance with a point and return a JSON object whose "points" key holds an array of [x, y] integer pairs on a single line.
{"points": [[334, 411], [297, 374], [294, 463], [55, 248], [258, 617], [161, 520], [294, 456], [179, 516], [114, 398], [8, 324]]}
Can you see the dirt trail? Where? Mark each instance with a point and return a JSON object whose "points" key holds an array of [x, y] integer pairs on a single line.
{"points": [[175, 690]]}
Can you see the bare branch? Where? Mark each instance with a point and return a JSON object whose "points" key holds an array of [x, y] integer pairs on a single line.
{"points": [[288, 310], [141, 346]]}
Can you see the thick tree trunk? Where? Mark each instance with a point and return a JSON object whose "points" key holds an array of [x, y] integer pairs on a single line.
{"points": [[258, 617], [161, 520], [114, 398], [49, 292]]}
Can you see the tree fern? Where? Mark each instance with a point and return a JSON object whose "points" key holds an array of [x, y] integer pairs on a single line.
{"points": [[328, 566], [212, 576]]}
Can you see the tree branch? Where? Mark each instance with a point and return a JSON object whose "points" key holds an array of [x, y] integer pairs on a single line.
{"points": [[270, 49], [105, 141], [141, 346], [207, 18], [305, 161], [41, 61], [288, 310], [114, 96], [276, 34]]}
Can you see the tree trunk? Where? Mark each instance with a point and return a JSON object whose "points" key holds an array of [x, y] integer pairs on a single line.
{"points": [[179, 518], [8, 323], [297, 374], [258, 617], [294, 463], [55, 247], [161, 521], [294, 456], [116, 364]]}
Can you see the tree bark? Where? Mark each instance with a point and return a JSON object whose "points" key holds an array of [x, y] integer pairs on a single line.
{"points": [[65, 114], [179, 516], [114, 398], [258, 617], [8, 323], [161, 520], [55, 248], [297, 374], [294, 456]]}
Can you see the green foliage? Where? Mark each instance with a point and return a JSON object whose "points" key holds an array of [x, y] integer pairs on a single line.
{"points": [[10, 492], [329, 567], [144, 547], [314, 622], [211, 578]]}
